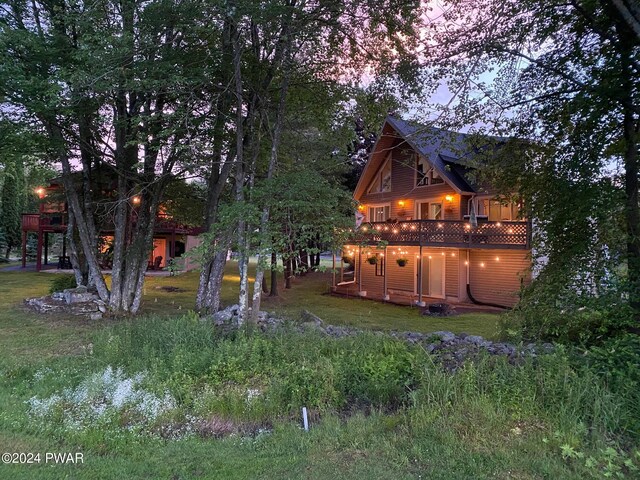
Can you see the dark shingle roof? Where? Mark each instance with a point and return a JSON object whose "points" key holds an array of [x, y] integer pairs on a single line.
{"points": [[449, 152]]}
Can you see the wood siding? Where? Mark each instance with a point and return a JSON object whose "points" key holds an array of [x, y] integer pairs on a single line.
{"points": [[370, 282], [401, 279], [403, 188], [452, 273], [499, 280]]}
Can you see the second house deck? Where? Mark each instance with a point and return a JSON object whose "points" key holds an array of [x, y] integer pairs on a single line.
{"points": [[447, 233]]}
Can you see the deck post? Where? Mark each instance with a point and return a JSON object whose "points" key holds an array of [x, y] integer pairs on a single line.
{"points": [[359, 272], [39, 251], [24, 249], [420, 302], [333, 269], [46, 248], [384, 278]]}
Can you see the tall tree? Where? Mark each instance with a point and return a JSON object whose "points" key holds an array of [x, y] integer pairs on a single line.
{"points": [[565, 77], [277, 44], [121, 90], [11, 204]]}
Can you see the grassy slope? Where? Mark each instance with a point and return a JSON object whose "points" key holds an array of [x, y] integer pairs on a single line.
{"points": [[378, 446]]}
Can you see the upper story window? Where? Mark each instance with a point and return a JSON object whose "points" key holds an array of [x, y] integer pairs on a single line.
{"points": [[497, 211], [425, 173], [379, 213], [382, 181]]}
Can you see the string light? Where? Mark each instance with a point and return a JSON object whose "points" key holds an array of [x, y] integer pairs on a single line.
{"points": [[482, 264], [497, 259]]}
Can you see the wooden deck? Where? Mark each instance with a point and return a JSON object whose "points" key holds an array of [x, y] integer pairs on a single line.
{"points": [[447, 233]]}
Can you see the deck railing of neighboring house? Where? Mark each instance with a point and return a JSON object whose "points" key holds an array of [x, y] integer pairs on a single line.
{"points": [[32, 222], [164, 221], [447, 233], [57, 222]]}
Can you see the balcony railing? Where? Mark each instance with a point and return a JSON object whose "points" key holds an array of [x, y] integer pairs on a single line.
{"points": [[32, 222], [447, 233], [57, 222]]}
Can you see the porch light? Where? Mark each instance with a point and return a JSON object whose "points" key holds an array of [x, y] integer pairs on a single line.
{"points": [[361, 207], [449, 198], [401, 203], [40, 192]]}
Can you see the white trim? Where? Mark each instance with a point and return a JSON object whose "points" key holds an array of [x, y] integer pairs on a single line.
{"points": [[444, 274], [437, 200]]}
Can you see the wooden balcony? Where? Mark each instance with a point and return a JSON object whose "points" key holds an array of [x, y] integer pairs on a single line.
{"points": [[50, 222], [57, 222], [447, 233]]}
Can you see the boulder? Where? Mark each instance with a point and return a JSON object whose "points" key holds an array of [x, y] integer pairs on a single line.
{"points": [[444, 336], [78, 295]]}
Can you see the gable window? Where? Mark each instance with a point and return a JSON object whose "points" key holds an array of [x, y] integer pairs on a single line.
{"points": [[425, 173], [382, 180], [379, 213]]}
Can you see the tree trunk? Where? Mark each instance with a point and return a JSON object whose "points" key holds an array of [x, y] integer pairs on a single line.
{"points": [[260, 283], [212, 271], [287, 264], [274, 275]]}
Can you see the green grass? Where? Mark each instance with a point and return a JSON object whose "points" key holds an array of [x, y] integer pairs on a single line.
{"points": [[488, 421], [311, 293]]}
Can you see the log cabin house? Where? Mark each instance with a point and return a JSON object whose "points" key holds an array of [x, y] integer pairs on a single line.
{"points": [[171, 239], [426, 232]]}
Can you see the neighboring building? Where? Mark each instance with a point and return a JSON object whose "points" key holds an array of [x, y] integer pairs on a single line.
{"points": [[428, 232], [170, 239]]}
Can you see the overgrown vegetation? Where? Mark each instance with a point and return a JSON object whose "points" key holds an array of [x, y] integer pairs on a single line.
{"points": [[132, 394], [177, 380]]}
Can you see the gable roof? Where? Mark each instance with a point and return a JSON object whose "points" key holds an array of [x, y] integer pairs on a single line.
{"points": [[448, 152]]}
